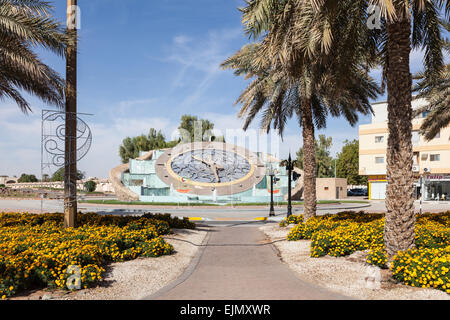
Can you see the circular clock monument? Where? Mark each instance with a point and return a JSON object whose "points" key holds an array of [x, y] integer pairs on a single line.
{"points": [[199, 172]]}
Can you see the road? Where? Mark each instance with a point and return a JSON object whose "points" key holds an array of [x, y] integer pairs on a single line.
{"points": [[209, 213]]}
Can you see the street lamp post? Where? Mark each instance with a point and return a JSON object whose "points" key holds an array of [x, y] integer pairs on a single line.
{"points": [[271, 173], [290, 166]]}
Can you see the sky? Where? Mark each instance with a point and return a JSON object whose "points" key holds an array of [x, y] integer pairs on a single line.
{"points": [[141, 65]]}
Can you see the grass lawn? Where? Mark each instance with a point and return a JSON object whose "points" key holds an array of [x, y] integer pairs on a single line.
{"points": [[79, 191]]}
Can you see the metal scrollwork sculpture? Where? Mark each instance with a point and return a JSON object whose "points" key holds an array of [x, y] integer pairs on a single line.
{"points": [[53, 138]]}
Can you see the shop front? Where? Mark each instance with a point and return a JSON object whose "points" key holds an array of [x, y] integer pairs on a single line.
{"points": [[377, 187], [436, 187]]}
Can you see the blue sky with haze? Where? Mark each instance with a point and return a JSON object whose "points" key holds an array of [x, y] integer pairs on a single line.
{"points": [[143, 64]]}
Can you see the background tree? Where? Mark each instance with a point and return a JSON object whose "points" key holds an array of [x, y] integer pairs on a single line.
{"points": [[59, 175], [27, 178], [347, 165], [131, 147], [90, 186], [155, 140], [188, 126], [324, 161], [25, 25]]}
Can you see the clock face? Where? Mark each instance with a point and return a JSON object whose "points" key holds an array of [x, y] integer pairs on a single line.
{"points": [[210, 166]]}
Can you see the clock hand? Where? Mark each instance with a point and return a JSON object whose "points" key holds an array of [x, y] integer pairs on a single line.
{"points": [[212, 165], [201, 160], [209, 163], [214, 170]]}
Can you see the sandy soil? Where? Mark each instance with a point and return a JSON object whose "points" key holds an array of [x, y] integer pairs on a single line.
{"points": [[349, 276], [136, 279]]}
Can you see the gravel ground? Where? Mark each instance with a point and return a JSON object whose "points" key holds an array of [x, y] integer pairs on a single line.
{"points": [[136, 279], [349, 276]]}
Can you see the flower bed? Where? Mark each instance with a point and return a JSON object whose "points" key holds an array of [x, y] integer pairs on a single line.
{"points": [[36, 252], [345, 233]]}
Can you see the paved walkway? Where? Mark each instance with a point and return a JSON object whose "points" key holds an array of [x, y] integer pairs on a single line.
{"points": [[235, 265]]}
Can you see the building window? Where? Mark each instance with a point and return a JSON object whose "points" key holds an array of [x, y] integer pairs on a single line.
{"points": [[379, 139], [424, 157], [379, 159], [435, 157]]}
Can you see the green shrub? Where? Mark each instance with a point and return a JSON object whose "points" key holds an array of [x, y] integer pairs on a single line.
{"points": [[163, 222], [174, 222], [90, 186]]}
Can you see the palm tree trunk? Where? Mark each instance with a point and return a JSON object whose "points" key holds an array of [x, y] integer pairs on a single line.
{"points": [[309, 161], [70, 168], [400, 219]]}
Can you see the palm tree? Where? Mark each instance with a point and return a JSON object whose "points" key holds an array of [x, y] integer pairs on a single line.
{"points": [[25, 24], [320, 27], [311, 96], [408, 25]]}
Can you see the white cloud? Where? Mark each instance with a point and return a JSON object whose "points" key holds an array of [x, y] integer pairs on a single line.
{"points": [[21, 145], [181, 40], [125, 106], [202, 56]]}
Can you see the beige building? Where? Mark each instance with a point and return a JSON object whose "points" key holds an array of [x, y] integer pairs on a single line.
{"points": [[331, 188], [431, 159]]}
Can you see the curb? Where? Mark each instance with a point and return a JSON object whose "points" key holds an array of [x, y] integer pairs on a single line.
{"points": [[196, 219], [231, 220]]}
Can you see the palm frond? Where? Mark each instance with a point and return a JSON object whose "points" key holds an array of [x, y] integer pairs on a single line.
{"points": [[24, 25], [437, 93]]}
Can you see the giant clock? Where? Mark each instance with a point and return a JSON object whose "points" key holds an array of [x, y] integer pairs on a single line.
{"points": [[205, 167]]}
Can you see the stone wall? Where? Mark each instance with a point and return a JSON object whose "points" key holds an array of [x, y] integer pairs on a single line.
{"points": [[6, 179], [103, 185]]}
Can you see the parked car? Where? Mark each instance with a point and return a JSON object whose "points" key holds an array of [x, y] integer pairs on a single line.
{"points": [[357, 193]]}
